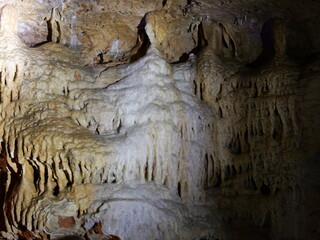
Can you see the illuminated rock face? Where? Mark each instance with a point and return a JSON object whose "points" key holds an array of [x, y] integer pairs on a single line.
{"points": [[155, 121]]}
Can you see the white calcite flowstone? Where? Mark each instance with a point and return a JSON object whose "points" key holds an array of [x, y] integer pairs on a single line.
{"points": [[125, 149]]}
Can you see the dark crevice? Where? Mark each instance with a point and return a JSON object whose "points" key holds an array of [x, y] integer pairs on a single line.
{"points": [[278, 126], [100, 58], [267, 45], [15, 74], [220, 113], [119, 127], [115, 178], [15, 180], [265, 189], [55, 190], [235, 145], [299, 44], [179, 189], [146, 171], [40, 43], [46, 176], [227, 43], [195, 87], [36, 176], [218, 180], [232, 47], [69, 180], [59, 32], [233, 171], [24, 233], [224, 43], [246, 141], [250, 183], [227, 174], [3, 180], [143, 40], [206, 169], [201, 91], [164, 2], [153, 171], [184, 57], [49, 26], [202, 42], [230, 172]]}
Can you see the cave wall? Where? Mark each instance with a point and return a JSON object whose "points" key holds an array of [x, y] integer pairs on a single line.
{"points": [[159, 119]]}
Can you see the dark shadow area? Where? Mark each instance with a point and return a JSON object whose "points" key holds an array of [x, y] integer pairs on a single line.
{"points": [[71, 237], [299, 44], [202, 41], [3, 180], [267, 46], [49, 27], [265, 189], [39, 44], [6, 196], [164, 2], [143, 39], [311, 190]]}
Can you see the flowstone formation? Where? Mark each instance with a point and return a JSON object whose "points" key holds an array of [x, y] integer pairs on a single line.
{"points": [[158, 120]]}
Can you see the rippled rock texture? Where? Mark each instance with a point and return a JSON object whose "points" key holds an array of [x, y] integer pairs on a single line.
{"points": [[159, 119]]}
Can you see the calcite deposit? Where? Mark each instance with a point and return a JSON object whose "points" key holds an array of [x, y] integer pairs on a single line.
{"points": [[159, 119]]}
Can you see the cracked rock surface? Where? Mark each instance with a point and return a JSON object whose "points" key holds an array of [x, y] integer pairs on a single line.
{"points": [[159, 119]]}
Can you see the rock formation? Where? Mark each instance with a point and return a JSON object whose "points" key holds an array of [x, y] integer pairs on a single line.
{"points": [[159, 119]]}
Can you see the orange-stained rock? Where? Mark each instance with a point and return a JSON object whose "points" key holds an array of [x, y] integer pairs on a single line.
{"points": [[66, 222]]}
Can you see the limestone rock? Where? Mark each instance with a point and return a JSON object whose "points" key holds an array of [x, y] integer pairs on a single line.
{"points": [[173, 28], [158, 120]]}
